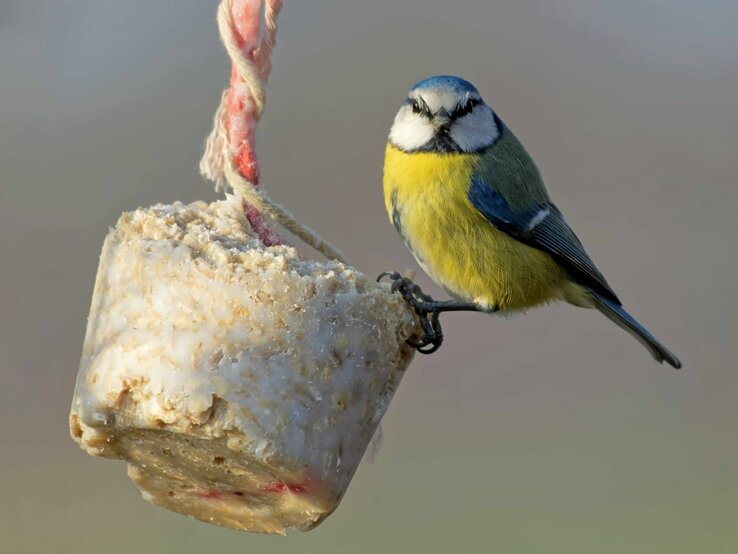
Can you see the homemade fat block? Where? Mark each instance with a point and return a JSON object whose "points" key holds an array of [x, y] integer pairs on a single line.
{"points": [[241, 383]]}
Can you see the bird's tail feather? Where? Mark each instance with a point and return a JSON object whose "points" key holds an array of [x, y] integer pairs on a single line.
{"points": [[615, 313]]}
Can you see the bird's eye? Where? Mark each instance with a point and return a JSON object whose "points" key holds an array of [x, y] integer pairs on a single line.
{"points": [[416, 107]]}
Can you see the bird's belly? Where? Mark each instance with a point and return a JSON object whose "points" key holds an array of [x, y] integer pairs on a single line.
{"points": [[475, 261], [426, 197]]}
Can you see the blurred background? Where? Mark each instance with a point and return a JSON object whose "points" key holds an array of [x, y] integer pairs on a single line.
{"points": [[553, 432]]}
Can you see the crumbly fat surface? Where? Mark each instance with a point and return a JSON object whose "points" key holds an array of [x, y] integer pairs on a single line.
{"points": [[241, 383]]}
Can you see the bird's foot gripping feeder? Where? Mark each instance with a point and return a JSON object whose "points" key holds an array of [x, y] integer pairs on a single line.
{"points": [[241, 381], [428, 311]]}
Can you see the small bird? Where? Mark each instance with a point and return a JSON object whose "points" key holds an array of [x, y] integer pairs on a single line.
{"points": [[471, 206]]}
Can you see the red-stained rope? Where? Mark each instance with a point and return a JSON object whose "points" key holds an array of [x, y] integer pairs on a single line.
{"points": [[229, 151]]}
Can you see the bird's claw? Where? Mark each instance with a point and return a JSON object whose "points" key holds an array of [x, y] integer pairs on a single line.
{"points": [[425, 307]]}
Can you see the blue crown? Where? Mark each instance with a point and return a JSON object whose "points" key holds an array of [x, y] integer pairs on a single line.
{"points": [[456, 84]]}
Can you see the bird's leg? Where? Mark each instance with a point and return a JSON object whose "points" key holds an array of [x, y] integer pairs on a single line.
{"points": [[428, 311]]}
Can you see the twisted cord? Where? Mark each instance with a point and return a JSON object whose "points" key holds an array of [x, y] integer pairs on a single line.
{"points": [[263, 55], [217, 163], [243, 66]]}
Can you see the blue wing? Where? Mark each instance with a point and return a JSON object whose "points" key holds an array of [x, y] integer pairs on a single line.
{"points": [[540, 226]]}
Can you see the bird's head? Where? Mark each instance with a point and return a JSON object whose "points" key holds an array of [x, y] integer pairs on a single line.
{"points": [[444, 114]]}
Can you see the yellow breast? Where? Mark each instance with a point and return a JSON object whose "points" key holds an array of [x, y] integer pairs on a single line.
{"points": [[426, 198]]}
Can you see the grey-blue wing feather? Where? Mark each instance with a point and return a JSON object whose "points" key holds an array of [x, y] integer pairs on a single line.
{"points": [[540, 226]]}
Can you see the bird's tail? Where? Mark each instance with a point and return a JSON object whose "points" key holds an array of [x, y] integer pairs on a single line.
{"points": [[615, 313]]}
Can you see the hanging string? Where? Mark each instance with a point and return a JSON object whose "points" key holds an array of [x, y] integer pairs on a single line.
{"points": [[229, 155]]}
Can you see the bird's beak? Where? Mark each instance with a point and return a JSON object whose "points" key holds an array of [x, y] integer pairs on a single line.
{"points": [[442, 119]]}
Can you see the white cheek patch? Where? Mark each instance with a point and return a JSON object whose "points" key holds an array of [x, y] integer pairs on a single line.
{"points": [[476, 130], [410, 131]]}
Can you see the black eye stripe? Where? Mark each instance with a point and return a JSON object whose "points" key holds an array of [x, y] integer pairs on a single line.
{"points": [[420, 107], [465, 108]]}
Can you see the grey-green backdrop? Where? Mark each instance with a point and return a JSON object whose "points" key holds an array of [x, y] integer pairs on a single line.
{"points": [[553, 432]]}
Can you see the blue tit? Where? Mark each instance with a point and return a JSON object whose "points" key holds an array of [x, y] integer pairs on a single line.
{"points": [[471, 206]]}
